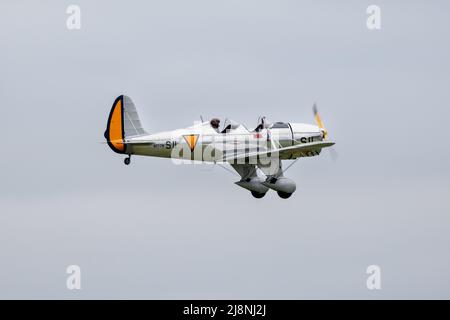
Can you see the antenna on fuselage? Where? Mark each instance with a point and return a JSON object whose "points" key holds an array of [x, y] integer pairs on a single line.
{"points": [[201, 118]]}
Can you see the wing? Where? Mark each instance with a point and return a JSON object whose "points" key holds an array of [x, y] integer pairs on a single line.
{"points": [[291, 152]]}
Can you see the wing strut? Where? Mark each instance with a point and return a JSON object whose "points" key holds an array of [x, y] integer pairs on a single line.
{"points": [[225, 168]]}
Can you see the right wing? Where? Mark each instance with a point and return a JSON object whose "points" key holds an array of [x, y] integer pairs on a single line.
{"points": [[291, 152]]}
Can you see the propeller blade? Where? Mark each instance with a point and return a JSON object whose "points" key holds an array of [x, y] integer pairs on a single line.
{"points": [[319, 122], [332, 150]]}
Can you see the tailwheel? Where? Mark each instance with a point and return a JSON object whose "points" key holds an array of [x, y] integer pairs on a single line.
{"points": [[127, 160], [257, 195], [284, 195]]}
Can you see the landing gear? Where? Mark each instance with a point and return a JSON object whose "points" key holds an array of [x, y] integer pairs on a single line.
{"points": [[284, 195], [257, 195], [127, 160]]}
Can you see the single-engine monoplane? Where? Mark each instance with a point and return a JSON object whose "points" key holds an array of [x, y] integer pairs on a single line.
{"points": [[255, 154]]}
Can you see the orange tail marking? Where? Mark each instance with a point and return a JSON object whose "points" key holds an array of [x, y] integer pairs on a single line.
{"points": [[115, 127]]}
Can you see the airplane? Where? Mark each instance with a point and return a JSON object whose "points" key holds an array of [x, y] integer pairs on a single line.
{"points": [[256, 155]]}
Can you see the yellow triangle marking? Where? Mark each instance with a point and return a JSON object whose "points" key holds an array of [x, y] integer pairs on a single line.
{"points": [[191, 140]]}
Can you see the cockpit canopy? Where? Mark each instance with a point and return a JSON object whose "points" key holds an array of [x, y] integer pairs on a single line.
{"points": [[230, 125], [279, 125]]}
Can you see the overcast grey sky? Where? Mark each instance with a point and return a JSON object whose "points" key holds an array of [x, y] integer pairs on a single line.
{"points": [[156, 230]]}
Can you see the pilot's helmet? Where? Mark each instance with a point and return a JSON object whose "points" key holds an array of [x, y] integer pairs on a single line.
{"points": [[215, 123]]}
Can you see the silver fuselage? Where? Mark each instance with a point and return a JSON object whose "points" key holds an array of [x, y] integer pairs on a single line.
{"points": [[211, 145]]}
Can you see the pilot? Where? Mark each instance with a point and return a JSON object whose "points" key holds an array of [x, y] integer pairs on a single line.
{"points": [[261, 125], [215, 123]]}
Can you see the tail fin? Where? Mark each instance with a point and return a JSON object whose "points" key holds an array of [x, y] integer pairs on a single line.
{"points": [[123, 122]]}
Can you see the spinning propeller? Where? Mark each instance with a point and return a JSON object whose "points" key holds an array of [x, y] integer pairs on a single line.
{"points": [[320, 124]]}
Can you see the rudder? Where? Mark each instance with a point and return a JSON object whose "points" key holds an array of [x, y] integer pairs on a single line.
{"points": [[123, 121]]}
